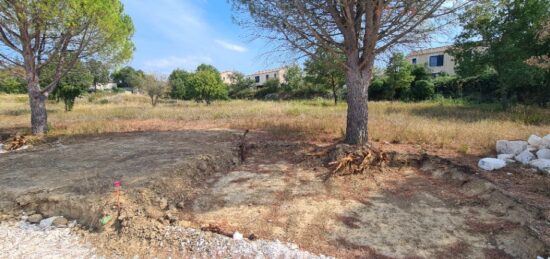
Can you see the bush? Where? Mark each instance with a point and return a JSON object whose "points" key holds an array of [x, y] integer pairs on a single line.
{"points": [[422, 90], [379, 90]]}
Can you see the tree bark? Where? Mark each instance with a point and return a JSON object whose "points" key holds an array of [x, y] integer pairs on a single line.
{"points": [[334, 94], [39, 116], [357, 81]]}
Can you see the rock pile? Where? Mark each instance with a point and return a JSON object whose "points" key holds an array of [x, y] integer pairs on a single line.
{"points": [[534, 152]]}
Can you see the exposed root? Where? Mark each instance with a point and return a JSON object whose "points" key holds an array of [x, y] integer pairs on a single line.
{"points": [[348, 160], [17, 142]]}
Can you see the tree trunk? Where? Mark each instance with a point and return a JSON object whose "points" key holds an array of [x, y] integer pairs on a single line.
{"points": [[357, 81], [39, 116]]}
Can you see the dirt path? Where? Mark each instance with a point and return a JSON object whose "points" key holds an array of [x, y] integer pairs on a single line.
{"points": [[419, 206]]}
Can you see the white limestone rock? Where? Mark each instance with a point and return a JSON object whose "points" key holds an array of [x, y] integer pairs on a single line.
{"points": [[491, 164], [237, 236], [524, 157], [545, 141], [534, 140], [511, 147], [543, 153], [509, 158], [541, 164]]}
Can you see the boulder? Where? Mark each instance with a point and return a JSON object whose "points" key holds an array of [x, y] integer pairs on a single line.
{"points": [[532, 148], [534, 140], [541, 164], [545, 141], [491, 164], [47, 222], [34, 218], [543, 153], [524, 157], [511, 147]]}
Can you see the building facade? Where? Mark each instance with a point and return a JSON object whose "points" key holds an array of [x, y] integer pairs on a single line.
{"points": [[228, 77], [262, 76], [436, 60]]}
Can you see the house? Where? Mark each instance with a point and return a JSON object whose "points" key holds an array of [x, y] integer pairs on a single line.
{"points": [[228, 77], [102, 87], [436, 60], [262, 76]]}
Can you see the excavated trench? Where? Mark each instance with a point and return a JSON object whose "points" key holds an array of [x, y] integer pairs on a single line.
{"points": [[418, 205]]}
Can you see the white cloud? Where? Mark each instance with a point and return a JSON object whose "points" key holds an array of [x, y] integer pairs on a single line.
{"points": [[172, 62], [230, 46]]}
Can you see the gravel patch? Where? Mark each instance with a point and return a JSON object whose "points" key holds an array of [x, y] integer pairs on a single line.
{"points": [[24, 240]]}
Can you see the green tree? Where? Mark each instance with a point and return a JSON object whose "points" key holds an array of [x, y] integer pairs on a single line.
{"points": [[128, 77], [206, 67], [154, 86], [499, 35], [242, 88], [10, 83], [75, 82], [326, 70], [420, 73], [399, 77], [422, 90], [60, 32], [179, 84], [99, 71], [206, 85], [293, 78]]}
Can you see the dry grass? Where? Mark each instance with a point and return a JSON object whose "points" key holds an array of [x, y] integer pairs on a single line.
{"points": [[467, 129]]}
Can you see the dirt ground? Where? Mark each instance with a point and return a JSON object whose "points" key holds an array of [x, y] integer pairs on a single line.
{"points": [[423, 204]]}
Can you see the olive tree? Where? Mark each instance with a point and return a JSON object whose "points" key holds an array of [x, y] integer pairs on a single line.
{"points": [[358, 29], [154, 86], [37, 33]]}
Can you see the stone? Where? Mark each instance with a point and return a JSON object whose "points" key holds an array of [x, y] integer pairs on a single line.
{"points": [[510, 147], [35, 218], [47, 222], [237, 236], [491, 164], [541, 164], [2, 149], [60, 222], [534, 140], [509, 158], [532, 148], [545, 141], [524, 157], [543, 153]]}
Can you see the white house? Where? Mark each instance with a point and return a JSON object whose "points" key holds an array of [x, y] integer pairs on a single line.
{"points": [[437, 60]]}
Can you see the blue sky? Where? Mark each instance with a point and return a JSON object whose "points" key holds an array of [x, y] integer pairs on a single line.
{"points": [[184, 33]]}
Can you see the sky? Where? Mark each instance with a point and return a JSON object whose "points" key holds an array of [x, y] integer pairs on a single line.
{"points": [[182, 34]]}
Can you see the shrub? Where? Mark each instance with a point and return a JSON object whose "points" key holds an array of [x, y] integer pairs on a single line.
{"points": [[422, 90], [379, 90]]}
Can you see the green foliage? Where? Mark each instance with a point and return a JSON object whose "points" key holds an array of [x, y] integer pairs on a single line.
{"points": [[11, 84], [206, 85], [325, 71], [420, 73], [99, 71], [242, 88], [179, 81], [399, 77], [500, 36], [72, 85], [270, 89], [422, 90], [379, 90], [206, 67], [128, 77], [294, 79], [154, 87]]}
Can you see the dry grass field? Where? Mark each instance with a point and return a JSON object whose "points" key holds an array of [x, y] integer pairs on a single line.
{"points": [[471, 129]]}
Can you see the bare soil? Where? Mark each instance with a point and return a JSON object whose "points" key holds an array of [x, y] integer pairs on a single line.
{"points": [[424, 203]]}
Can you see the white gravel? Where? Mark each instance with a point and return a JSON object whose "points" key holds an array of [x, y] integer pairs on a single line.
{"points": [[23, 240]]}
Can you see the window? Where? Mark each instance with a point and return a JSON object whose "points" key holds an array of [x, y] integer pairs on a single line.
{"points": [[266, 77], [436, 61], [257, 79], [414, 61]]}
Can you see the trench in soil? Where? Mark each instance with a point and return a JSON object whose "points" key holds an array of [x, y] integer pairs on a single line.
{"points": [[418, 205]]}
